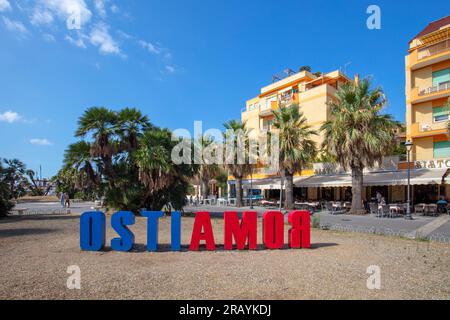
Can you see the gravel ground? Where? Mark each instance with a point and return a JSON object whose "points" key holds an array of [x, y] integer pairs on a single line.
{"points": [[36, 251]]}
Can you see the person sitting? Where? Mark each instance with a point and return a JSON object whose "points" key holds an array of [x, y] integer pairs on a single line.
{"points": [[442, 205]]}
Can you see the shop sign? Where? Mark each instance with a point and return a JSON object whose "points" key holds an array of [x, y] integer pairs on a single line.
{"points": [[432, 164]]}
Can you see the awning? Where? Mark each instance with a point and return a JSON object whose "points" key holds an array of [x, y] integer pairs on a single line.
{"points": [[389, 178]]}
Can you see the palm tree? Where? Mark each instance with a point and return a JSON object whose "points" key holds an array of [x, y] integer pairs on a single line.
{"points": [[237, 135], [130, 126], [101, 123], [297, 149], [207, 169], [358, 135], [78, 157], [447, 105]]}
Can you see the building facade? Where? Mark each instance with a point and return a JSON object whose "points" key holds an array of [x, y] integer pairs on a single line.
{"points": [[427, 117], [428, 91]]}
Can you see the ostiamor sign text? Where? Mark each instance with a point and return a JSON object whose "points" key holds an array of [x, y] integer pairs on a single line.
{"points": [[243, 231]]}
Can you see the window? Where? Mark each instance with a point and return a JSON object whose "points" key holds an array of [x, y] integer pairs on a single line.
{"points": [[441, 77], [441, 149], [440, 114]]}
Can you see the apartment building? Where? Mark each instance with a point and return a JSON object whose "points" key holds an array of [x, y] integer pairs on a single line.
{"points": [[312, 92], [428, 91]]}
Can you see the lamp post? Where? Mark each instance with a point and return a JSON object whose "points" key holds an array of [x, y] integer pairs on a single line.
{"points": [[251, 189], [408, 145], [281, 192]]}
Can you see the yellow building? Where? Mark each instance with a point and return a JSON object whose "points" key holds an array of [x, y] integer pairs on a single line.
{"points": [[427, 116], [428, 91], [311, 92]]}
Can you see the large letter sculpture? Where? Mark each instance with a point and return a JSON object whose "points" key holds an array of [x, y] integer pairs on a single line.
{"points": [[92, 231], [119, 222], [243, 231], [202, 231]]}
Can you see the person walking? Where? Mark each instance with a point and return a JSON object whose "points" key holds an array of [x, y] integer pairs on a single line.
{"points": [[66, 200], [62, 200]]}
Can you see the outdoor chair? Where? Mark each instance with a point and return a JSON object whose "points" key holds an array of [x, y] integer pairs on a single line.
{"points": [[384, 211], [329, 207], [431, 209], [373, 207], [419, 208]]}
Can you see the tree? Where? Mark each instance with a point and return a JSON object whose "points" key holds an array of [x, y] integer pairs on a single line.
{"points": [[207, 169], [358, 134], [15, 177], [297, 149], [126, 160], [101, 123], [238, 165], [5, 194]]}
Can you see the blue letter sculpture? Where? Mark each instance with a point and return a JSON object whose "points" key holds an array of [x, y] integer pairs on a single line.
{"points": [[119, 222], [92, 231]]}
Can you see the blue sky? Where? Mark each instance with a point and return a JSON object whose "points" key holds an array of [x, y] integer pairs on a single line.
{"points": [[180, 61]]}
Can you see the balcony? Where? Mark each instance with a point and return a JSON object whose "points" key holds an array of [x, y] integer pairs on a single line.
{"points": [[266, 110], [429, 55], [434, 92], [433, 50], [426, 129]]}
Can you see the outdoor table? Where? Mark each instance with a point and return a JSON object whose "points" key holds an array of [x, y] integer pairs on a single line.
{"points": [[221, 202], [232, 201]]}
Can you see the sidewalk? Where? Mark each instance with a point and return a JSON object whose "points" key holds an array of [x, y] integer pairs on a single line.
{"points": [[435, 229]]}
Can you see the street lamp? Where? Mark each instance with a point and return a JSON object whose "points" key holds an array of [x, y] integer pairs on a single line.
{"points": [[251, 189], [408, 145]]}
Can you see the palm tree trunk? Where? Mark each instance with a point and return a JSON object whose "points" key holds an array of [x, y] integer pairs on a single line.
{"points": [[357, 185], [205, 189], [239, 192], [289, 185]]}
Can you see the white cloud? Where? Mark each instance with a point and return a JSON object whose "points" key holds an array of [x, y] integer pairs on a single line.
{"points": [[41, 16], [100, 7], [48, 37], [124, 35], [101, 38], [150, 47], [65, 9], [40, 142], [4, 5], [115, 9], [76, 42], [15, 26], [170, 69], [10, 117]]}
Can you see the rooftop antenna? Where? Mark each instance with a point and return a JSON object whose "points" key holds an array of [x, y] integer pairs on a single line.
{"points": [[345, 67]]}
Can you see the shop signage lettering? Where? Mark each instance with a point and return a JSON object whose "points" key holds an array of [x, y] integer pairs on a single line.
{"points": [[433, 164], [243, 231]]}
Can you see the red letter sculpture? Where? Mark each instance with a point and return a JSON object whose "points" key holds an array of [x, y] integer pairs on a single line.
{"points": [[299, 234], [273, 229], [241, 231], [202, 222]]}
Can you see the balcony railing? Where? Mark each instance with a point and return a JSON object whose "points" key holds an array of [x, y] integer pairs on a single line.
{"points": [[441, 87], [433, 49]]}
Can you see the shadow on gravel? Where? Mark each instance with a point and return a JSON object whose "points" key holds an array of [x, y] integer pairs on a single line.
{"points": [[42, 217], [6, 233], [138, 247]]}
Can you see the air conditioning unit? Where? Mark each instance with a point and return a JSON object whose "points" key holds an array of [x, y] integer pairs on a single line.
{"points": [[425, 127]]}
